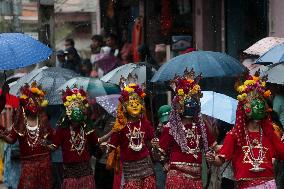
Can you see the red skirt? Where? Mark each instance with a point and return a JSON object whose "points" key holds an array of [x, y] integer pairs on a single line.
{"points": [[146, 183], [179, 180], [86, 182], [36, 173]]}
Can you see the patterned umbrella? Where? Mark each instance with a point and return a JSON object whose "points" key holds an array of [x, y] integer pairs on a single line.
{"points": [[94, 87], [49, 78], [20, 50], [264, 45], [109, 103]]}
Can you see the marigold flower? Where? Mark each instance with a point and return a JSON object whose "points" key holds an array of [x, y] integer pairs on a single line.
{"points": [[267, 93], [128, 89], [255, 78], [69, 98], [242, 97], [241, 88], [23, 96], [74, 96], [190, 81], [66, 103], [44, 103], [34, 90], [180, 92], [249, 82]]}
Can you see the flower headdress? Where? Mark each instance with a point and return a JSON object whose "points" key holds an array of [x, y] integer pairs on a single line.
{"points": [[186, 86], [129, 86], [74, 98], [253, 87], [34, 92]]}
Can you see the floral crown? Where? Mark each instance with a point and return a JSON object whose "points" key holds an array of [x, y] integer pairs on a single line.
{"points": [[33, 91], [74, 97], [187, 85], [253, 87], [129, 86]]}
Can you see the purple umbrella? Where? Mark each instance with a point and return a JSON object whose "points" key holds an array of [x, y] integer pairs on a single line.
{"points": [[109, 103]]}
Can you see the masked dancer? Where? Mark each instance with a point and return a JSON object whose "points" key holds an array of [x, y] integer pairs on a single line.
{"points": [[252, 144], [132, 132], [185, 136], [75, 134], [32, 130]]}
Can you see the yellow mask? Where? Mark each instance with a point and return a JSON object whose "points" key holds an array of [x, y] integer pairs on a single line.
{"points": [[134, 106]]}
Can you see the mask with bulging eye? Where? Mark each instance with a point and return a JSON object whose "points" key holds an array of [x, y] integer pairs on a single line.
{"points": [[32, 107], [191, 108], [256, 109], [76, 112], [134, 106]]}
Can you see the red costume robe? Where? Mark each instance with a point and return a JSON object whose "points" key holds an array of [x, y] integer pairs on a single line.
{"points": [[241, 156], [77, 170], [130, 158], [35, 160], [185, 168]]}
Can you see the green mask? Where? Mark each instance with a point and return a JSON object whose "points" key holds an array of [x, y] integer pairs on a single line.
{"points": [[77, 115], [258, 109]]}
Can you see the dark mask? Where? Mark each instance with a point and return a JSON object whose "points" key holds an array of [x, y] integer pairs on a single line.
{"points": [[77, 115], [191, 108]]}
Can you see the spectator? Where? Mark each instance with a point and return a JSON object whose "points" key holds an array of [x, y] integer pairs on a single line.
{"points": [[60, 58], [126, 50], [163, 114], [86, 68], [106, 61], [103, 126], [160, 54], [145, 55], [97, 43], [12, 165], [69, 43], [111, 41], [73, 61]]}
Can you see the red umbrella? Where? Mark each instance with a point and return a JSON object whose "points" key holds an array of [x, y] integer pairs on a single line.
{"points": [[11, 100]]}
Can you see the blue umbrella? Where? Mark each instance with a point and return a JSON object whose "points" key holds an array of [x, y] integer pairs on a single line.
{"points": [[210, 64], [20, 50], [274, 55], [219, 106]]}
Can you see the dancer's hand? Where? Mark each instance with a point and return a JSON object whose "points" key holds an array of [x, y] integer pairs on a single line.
{"points": [[210, 157], [155, 142], [103, 146]]}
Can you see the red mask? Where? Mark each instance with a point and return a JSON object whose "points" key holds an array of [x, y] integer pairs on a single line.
{"points": [[32, 106]]}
